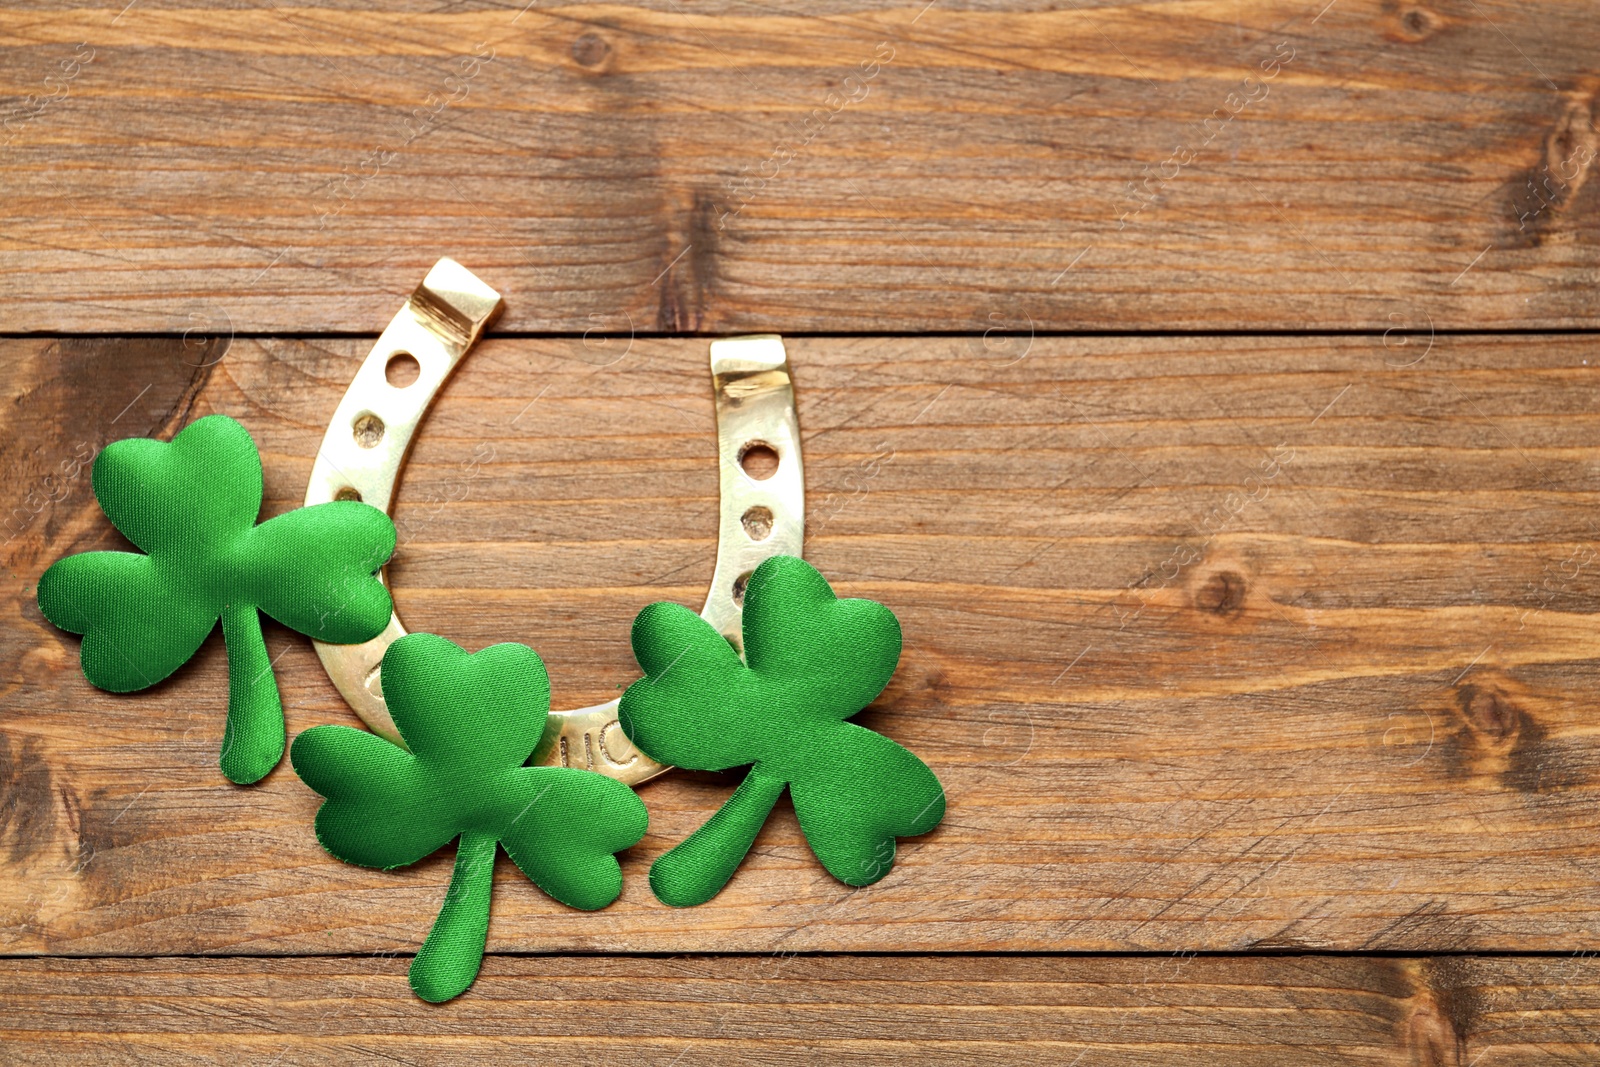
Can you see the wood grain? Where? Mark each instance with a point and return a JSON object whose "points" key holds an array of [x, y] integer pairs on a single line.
{"points": [[1181, 698], [864, 166], [803, 1010]]}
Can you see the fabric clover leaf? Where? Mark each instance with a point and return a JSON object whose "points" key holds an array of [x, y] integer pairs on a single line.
{"points": [[470, 722], [191, 505], [811, 661]]}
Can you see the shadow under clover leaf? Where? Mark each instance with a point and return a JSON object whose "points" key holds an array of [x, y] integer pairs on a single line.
{"points": [[191, 506], [469, 722], [810, 662]]}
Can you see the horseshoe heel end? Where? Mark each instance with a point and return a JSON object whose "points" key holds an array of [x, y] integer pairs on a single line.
{"points": [[762, 510]]}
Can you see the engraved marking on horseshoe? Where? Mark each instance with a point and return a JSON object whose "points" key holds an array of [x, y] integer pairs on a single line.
{"points": [[605, 750]]}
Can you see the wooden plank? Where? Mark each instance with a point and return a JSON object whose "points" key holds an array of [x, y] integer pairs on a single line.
{"points": [[622, 167], [1181, 696], [790, 1010]]}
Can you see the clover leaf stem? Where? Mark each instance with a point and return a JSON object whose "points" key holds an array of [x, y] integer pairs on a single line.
{"points": [[453, 952], [698, 868], [252, 742]]}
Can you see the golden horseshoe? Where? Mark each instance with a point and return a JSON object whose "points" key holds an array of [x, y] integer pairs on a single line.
{"points": [[370, 435]]}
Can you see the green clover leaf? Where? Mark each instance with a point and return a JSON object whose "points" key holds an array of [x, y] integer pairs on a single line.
{"points": [[191, 505], [810, 661], [470, 722]]}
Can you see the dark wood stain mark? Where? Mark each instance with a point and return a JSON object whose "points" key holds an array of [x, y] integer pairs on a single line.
{"points": [[1447, 1007], [27, 798], [1409, 23], [1542, 198], [75, 396], [1222, 594], [688, 268], [1497, 736], [591, 52]]}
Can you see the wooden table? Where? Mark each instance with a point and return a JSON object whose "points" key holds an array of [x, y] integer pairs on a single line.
{"points": [[1206, 385]]}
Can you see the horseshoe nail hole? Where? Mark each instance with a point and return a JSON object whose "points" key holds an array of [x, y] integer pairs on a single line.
{"points": [[739, 585], [402, 370], [758, 523], [348, 493], [759, 460], [374, 681], [368, 431]]}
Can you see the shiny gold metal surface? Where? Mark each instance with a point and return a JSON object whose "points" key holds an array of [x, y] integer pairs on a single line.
{"points": [[760, 517], [366, 445]]}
